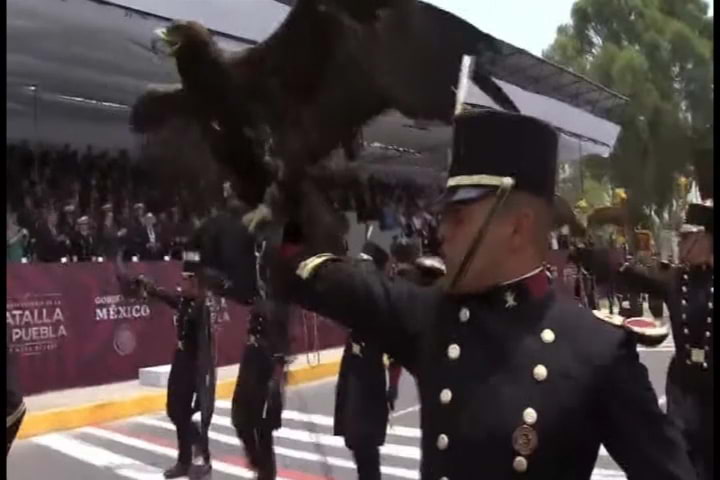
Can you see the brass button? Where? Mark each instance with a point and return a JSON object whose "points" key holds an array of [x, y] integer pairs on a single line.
{"points": [[530, 416], [686, 331], [464, 314], [442, 441], [683, 302], [453, 351], [540, 373], [445, 396], [547, 336], [684, 289], [520, 464], [707, 334], [710, 305]]}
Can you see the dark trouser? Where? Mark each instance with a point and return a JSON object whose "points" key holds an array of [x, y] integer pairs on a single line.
{"points": [[12, 431], [181, 388], [367, 459], [258, 444], [256, 411], [693, 414]]}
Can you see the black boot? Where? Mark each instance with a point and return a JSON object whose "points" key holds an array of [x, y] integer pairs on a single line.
{"points": [[200, 471], [177, 471]]}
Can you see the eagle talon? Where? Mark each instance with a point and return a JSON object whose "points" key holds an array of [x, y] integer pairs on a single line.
{"points": [[257, 218]]}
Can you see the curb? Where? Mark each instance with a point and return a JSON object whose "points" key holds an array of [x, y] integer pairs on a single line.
{"points": [[69, 418]]}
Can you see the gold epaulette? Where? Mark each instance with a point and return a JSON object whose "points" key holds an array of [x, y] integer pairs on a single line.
{"points": [[308, 267]]}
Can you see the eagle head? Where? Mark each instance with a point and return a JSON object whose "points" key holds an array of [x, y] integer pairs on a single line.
{"points": [[181, 35]]}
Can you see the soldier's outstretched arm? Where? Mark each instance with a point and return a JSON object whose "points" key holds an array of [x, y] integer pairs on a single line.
{"points": [[387, 311], [635, 432], [170, 299]]}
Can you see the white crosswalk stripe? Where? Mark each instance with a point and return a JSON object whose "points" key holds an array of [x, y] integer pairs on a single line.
{"points": [[305, 442], [99, 457]]}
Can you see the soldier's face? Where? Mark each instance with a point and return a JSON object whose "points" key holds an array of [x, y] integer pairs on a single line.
{"points": [[459, 224]]}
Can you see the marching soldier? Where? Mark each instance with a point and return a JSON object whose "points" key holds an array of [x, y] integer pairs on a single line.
{"points": [[688, 293], [362, 399], [192, 373], [15, 404], [514, 381], [257, 401]]}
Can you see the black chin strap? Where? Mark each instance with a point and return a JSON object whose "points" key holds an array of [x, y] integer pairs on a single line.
{"points": [[500, 197]]}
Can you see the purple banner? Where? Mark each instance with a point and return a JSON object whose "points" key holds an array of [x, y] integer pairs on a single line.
{"points": [[69, 326]]}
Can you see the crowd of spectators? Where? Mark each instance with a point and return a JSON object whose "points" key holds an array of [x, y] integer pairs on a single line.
{"points": [[65, 205], [74, 206]]}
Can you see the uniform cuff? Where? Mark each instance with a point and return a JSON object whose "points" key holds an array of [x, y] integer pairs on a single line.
{"points": [[309, 266]]}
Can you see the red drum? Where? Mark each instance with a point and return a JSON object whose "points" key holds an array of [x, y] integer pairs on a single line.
{"points": [[647, 331]]}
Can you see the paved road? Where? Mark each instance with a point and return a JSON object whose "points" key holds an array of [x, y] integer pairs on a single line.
{"points": [[140, 448]]}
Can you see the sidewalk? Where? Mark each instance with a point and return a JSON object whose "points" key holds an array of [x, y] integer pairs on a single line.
{"points": [[78, 407]]}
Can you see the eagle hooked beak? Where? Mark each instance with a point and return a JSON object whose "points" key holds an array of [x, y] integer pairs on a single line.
{"points": [[163, 43]]}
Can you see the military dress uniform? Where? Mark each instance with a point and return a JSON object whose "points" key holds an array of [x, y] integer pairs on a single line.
{"points": [[192, 373], [362, 396], [514, 382], [688, 294], [257, 401], [15, 407]]}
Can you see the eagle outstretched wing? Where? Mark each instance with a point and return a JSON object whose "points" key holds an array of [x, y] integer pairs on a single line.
{"points": [[158, 106]]}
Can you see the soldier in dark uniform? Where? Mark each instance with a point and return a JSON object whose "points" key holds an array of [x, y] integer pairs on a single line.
{"points": [[514, 382], [15, 409], [257, 401], [688, 293], [192, 373], [363, 399]]}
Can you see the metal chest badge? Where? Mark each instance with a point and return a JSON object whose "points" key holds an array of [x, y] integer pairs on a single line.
{"points": [[525, 440], [510, 299]]}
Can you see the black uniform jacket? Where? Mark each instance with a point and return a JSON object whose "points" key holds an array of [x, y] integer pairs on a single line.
{"points": [[257, 400], [511, 385], [688, 294], [194, 333], [15, 406], [361, 408]]}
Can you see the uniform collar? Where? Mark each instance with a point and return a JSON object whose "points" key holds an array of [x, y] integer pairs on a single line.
{"points": [[531, 286]]}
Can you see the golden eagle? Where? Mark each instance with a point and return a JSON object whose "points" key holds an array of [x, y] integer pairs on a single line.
{"points": [[309, 88]]}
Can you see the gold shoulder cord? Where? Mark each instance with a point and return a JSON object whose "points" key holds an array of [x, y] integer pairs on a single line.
{"points": [[309, 266]]}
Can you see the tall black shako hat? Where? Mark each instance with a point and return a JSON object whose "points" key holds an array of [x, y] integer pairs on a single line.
{"points": [[489, 145], [698, 218]]}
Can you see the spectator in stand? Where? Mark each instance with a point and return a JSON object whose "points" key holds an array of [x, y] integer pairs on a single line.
{"points": [[181, 229], [50, 244], [110, 234], [146, 240], [17, 238], [82, 244]]}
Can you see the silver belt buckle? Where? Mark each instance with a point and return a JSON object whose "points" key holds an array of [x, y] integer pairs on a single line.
{"points": [[697, 355]]}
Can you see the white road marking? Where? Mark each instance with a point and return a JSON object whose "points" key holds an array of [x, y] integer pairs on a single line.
{"points": [[289, 452], [327, 440], [99, 457], [328, 421], [405, 410], [165, 451]]}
